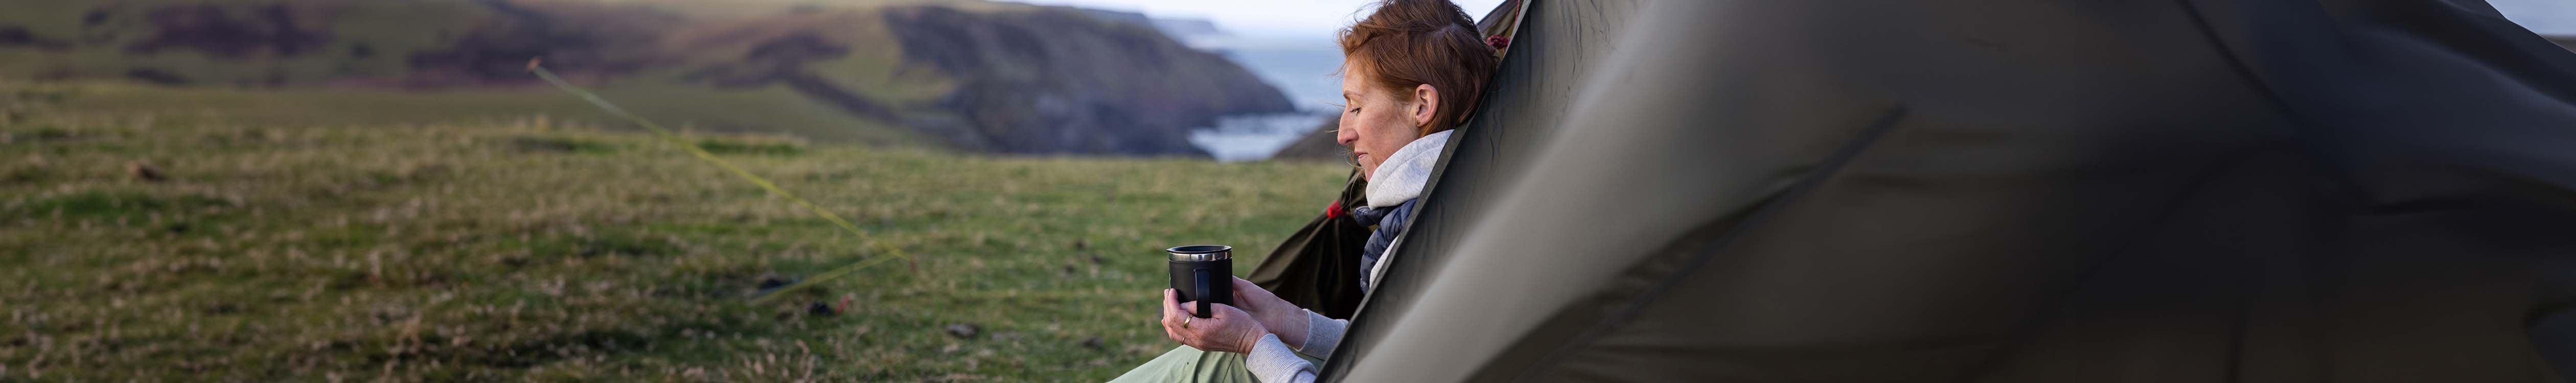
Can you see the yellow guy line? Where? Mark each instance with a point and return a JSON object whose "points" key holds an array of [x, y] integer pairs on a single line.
{"points": [[890, 252]]}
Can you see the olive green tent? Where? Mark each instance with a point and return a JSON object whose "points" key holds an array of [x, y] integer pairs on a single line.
{"points": [[1997, 191]]}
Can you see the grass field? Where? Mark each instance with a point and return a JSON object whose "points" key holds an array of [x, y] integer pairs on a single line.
{"points": [[528, 248]]}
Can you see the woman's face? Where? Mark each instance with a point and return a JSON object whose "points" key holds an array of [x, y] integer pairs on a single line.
{"points": [[1376, 122]]}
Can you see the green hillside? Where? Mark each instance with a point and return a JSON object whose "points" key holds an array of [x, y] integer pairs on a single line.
{"points": [[762, 110], [971, 75], [146, 244]]}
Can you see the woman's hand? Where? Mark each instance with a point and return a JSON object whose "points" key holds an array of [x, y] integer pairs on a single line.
{"points": [[1226, 330], [1281, 317]]}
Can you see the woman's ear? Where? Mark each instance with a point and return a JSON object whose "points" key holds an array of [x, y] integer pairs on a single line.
{"points": [[1427, 104]]}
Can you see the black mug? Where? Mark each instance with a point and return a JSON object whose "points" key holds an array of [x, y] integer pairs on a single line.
{"points": [[1203, 273]]}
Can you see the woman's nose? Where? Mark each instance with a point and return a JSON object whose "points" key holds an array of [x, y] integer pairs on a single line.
{"points": [[1344, 134]]}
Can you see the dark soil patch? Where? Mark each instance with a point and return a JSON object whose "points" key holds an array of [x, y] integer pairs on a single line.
{"points": [[560, 145], [156, 77], [606, 244], [751, 148]]}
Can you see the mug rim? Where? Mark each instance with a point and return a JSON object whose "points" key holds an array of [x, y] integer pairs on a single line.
{"points": [[1199, 249]]}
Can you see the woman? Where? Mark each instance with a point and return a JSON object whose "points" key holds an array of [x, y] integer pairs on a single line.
{"points": [[1412, 71]]}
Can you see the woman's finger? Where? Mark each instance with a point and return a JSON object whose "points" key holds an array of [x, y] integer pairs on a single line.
{"points": [[1241, 285], [1225, 312], [1172, 329], [1252, 296], [1171, 308], [1180, 334]]}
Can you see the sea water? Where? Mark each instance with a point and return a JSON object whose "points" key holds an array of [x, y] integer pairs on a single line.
{"points": [[1254, 136], [1301, 66]]}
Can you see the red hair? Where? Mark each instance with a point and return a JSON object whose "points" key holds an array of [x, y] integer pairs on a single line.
{"points": [[1408, 43]]}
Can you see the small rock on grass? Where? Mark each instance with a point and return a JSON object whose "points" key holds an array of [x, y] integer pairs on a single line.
{"points": [[773, 281], [821, 309], [963, 330], [144, 171], [1094, 343]]}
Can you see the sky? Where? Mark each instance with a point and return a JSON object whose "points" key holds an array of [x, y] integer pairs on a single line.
{"points": [[1322, 17], [2555, 17]]}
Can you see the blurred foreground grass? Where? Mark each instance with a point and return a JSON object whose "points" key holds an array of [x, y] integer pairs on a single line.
{"points": [[188, 247]]}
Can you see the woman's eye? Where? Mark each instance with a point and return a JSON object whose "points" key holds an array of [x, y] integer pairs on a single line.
{"points": [[1353, 110]]}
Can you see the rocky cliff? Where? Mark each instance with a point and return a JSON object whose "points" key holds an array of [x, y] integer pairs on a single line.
{"points": [[1026, 85], [972, 75], [1317, 145]]}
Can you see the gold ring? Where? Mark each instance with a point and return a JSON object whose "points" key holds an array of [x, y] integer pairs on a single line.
{"points": [[1185, 322]]}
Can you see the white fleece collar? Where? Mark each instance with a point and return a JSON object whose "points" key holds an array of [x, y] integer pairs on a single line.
{"points": [[1403, 175]]}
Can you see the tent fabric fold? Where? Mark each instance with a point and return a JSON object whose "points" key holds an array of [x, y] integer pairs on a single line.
{"points": [[1318, 267], [2028, 191]]}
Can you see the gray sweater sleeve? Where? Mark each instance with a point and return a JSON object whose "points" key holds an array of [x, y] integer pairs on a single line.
{"points": [[1322, 334], [1273, 362]]}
